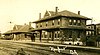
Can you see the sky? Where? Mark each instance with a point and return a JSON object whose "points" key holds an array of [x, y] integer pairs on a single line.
{"points": [[19, 12]]}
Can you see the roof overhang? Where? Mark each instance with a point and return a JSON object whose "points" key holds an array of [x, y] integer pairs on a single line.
{"points": [[55, 17], [59, 28]]}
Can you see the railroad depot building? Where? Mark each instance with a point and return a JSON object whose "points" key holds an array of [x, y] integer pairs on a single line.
{"points": [[18, 32], [61, 27]]}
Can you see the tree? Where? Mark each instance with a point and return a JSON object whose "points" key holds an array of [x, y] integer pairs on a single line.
{"points": [[74, 37], [98, 40], [90, 41]]}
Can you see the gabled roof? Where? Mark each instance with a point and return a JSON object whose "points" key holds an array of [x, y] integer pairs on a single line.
{"points": [[64, 13], [71, 14], [8, 32], [21, 29], [52, 13], [17, 27], [49, 13], [24, 28]]}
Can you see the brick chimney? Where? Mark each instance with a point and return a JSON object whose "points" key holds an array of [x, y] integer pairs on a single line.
{"points": [[39, 15], [78, 12], [56, 10]]}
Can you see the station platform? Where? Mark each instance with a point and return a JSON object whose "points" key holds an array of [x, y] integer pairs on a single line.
{"points": [[87, 48]]}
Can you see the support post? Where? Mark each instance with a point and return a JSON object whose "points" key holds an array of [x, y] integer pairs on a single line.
{"points": [[52, 36], [48, 36], [40, 35]]}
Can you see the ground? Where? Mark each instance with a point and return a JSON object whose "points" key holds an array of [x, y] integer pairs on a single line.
{"points": [[10, 47]]}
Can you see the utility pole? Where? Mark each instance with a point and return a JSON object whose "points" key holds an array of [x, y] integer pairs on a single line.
{"points": [[10, 24]]}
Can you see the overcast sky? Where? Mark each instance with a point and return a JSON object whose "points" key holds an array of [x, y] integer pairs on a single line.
{"points": [[24, 11]]}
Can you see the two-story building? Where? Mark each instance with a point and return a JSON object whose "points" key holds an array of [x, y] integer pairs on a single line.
{"points": [[61, 26], [94, 35]]}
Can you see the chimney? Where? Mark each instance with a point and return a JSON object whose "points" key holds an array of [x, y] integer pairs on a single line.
{"points": [[78, 12], [39, 15], [56, 10]]}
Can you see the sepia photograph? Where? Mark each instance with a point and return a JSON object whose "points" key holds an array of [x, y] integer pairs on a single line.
{"points": [[49, 27]]}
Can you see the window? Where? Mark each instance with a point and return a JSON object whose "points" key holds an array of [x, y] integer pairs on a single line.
{"points": [[46, 23], [53, 22], [58, 34], [92, 27], [36, 25], [79, 22], [98, 32], [58, 21], [89, 32], [45, 35], [25, 35], [92, 32], [55, 35], [89, 27], [70, 22], [75, 22], [41, 25]]}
